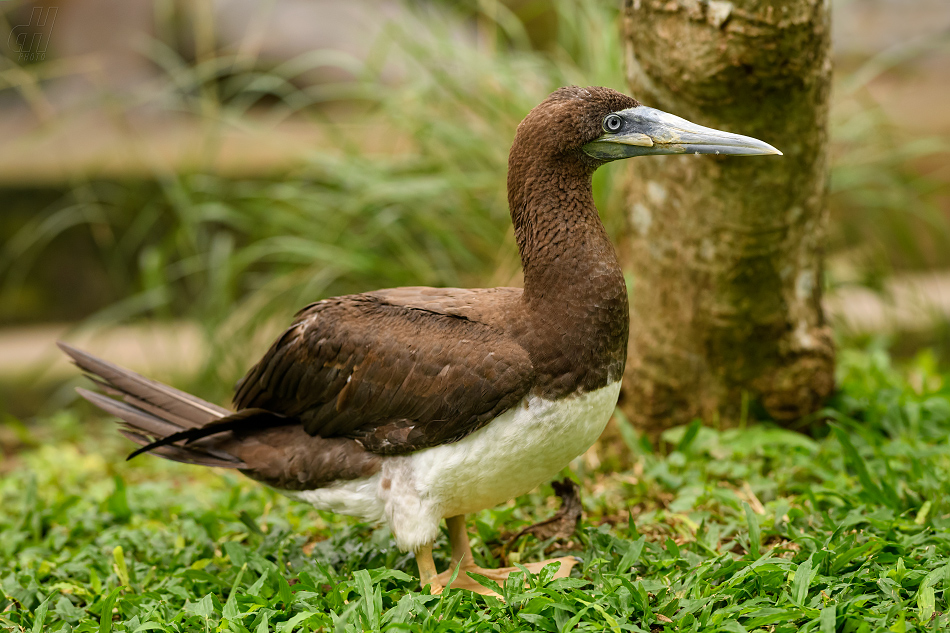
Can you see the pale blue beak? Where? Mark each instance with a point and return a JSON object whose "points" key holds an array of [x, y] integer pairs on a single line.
{"points": [[646, 131]]}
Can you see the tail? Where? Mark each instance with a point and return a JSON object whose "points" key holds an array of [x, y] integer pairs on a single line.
{"points": [[152, 413]]}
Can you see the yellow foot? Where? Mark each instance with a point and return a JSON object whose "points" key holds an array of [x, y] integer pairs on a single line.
{"points": [[464, 581]]}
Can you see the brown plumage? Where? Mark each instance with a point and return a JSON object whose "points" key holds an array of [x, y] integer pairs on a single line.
{"points": [[285, 457], [397, 375], [422, 398], [409, 368]]}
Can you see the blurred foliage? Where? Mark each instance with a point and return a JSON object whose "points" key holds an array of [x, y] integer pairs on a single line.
{"points": [[233, 253], [890, 191], [240, 254]]}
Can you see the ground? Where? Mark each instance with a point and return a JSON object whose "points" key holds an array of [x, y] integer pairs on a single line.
{"points": [[750, 529]]}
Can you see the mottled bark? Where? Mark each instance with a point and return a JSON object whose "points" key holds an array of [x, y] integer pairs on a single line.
{"points": [[726, 251]]}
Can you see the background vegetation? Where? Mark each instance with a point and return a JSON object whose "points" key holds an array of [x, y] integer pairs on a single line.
{"points": [[407, 187], [756, 528]]}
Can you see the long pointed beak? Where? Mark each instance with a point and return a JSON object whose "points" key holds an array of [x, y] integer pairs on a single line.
{"points": [[647, 131]]}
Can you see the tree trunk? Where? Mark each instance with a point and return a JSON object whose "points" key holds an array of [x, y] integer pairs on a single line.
{"points": [[726, 251]]}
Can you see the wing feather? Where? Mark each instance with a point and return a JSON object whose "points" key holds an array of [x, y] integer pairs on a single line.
{"points": [[396, 377]]}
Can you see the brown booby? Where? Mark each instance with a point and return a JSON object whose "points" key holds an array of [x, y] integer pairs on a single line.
{"points": [[412, 405]]}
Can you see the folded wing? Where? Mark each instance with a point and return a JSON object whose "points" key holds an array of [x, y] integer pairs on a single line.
{"points": [[398, 375]]}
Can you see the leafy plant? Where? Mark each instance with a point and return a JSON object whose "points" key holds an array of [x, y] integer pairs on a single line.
{"points": [[757, 529]]}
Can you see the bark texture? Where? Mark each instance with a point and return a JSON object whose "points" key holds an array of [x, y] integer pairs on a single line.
{"points": [[726, 251]]}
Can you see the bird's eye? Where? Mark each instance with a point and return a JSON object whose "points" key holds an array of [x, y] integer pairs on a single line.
{"points": [[612, 123]]}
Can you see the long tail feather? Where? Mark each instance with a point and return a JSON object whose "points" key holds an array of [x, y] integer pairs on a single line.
{"points": [[155, 416], [167, 398], [248, 418], [184, 455]]}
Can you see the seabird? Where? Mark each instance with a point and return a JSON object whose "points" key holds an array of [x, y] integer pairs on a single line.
{"points": [[412, 405]]}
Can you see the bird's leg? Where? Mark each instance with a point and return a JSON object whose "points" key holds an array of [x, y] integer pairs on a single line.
{"points": [[427, 575], [462, 557], [458, 538]]}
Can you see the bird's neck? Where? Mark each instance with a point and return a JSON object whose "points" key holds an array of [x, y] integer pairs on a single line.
{"points": [[565, 251], [576, 320]]}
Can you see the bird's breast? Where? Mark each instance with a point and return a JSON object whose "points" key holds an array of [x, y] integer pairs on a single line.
{"points": [[520, 449]]}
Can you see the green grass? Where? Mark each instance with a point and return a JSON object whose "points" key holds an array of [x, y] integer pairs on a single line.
{"points": [[755, 529]]}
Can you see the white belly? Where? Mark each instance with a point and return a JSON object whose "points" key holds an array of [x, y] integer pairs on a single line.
{"points": [[519, 450], [514, 453]]}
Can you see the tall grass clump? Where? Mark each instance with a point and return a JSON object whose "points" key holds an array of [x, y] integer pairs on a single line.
{"points": [[888, 188], [430, 209]]}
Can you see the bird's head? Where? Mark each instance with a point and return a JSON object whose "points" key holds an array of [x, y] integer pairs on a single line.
{"points": [[598, 125]]}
